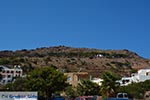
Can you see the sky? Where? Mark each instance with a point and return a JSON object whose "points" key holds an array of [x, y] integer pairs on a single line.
{"points": [[99, 24]]}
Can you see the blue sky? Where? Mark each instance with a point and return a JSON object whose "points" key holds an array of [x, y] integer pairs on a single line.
{"points": [[100, 24]]}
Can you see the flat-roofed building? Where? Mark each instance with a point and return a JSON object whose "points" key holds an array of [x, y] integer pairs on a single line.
{"points": [[73, 78], [9, 74]]}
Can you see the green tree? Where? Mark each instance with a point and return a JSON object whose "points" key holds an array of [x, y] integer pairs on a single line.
{"points": [[18, 85], [71, 92], [4, 61], [46, 81], [136, 90], [109, 85], [87, 87]]}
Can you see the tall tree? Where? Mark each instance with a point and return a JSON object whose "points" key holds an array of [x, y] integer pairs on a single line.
{"points": [[71, 92], [87, 87], [46, 81], [109, 85]]}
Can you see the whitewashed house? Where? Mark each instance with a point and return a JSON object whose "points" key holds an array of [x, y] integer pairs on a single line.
{"points": [[97, 81], [141, 76], [99, 56], [9, 74]]}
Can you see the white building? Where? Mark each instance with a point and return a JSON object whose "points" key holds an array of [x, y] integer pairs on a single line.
{"points": [[141, 76], [9, 74], [97, 80]]}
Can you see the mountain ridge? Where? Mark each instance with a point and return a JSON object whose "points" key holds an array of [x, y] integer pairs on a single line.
{"points": [[94, 61]]}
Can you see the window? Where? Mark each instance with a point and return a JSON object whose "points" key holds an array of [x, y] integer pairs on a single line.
{"points": [[125, 81], [120, 95], [9, 76], [69, 78], [3, 81], [125, 95], [12, 71], [9, 81], [147, 73], [7, 71]]}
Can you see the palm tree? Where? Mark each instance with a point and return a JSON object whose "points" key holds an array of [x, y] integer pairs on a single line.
{"points": [[87, 87], [109, 85]]}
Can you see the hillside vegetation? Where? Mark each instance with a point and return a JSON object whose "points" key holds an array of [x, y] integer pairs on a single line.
{"points": [[68, 59]]}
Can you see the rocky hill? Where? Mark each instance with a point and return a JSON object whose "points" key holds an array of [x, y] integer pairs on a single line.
{"points": [[93, 61]]}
